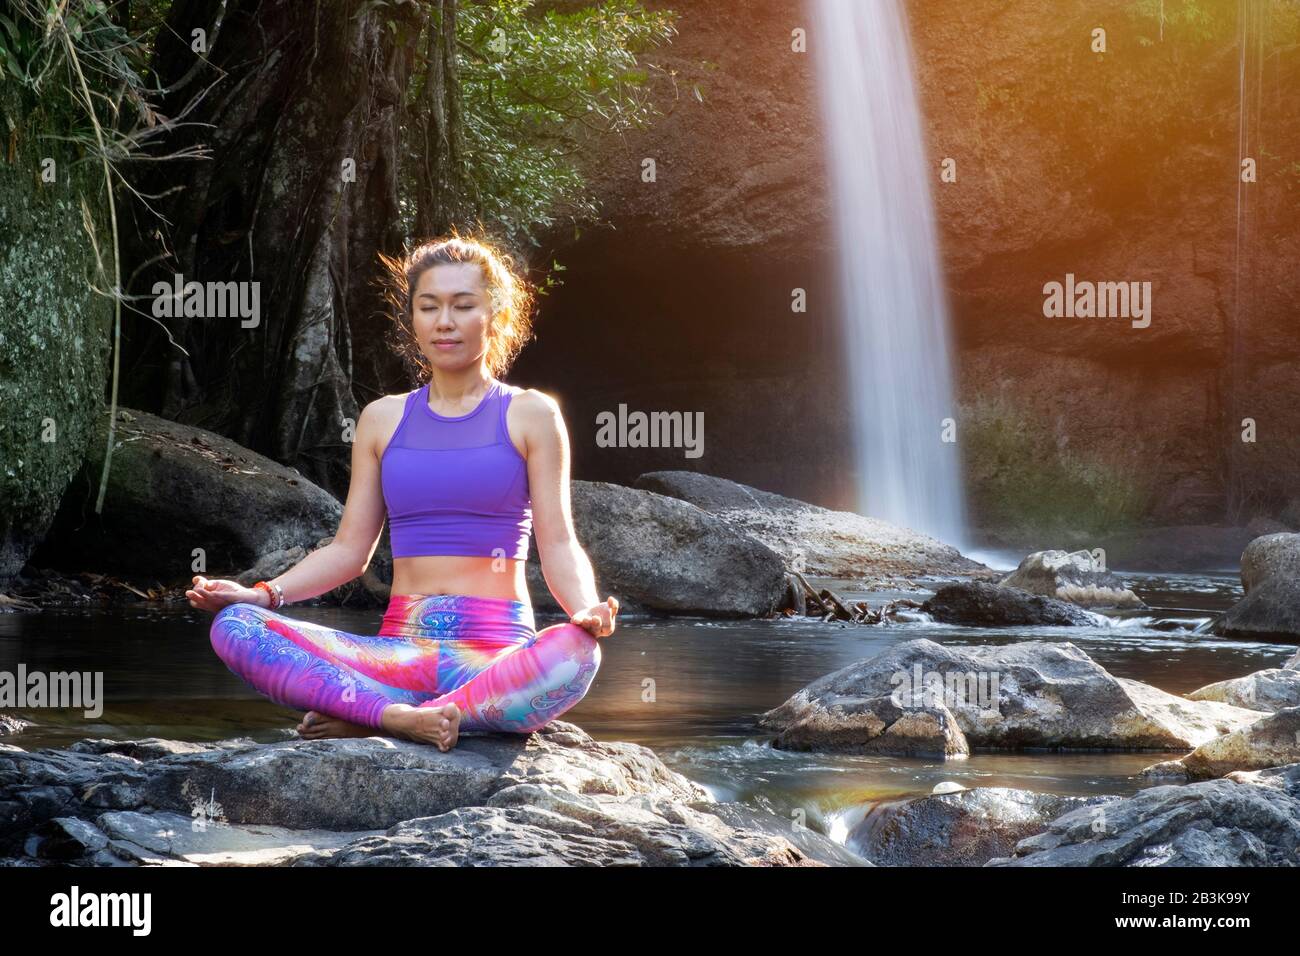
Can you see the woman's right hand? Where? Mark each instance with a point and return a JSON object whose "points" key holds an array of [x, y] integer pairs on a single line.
{"points": [[212, 594]]}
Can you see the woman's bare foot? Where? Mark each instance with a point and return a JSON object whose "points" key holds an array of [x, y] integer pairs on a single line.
{"points": [[318, 726], [428, 725]]}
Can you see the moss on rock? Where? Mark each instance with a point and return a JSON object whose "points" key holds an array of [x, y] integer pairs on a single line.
{"points": [[53, 329]]}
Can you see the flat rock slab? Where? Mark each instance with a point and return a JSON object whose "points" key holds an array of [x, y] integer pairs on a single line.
{"points": [[528, 825], [214, 843], [555, 796]]}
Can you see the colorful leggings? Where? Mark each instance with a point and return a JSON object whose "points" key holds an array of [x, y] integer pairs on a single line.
{"points": [[482, 654]]}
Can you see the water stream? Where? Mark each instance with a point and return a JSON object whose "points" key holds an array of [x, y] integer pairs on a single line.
{"points": [[711, 679]]}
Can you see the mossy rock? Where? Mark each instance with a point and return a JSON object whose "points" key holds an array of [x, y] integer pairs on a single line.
{"points": [[53, 330]]}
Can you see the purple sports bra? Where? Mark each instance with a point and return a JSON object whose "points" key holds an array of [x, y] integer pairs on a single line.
{"points": [[457, 486]]}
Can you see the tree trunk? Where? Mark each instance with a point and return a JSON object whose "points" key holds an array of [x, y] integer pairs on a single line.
{"points": [[438, 179], [306, 88]]}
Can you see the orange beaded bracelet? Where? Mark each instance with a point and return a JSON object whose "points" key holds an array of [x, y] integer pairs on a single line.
{"points": [[277, 596]]}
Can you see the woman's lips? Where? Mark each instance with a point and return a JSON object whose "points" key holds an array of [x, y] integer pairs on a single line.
{"points": [[445, 345]]}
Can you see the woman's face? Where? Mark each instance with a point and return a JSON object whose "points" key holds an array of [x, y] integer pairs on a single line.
{"points": [[451, 315]]}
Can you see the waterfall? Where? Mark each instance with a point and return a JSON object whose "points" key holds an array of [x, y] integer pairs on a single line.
{"points": [[895, 311]]}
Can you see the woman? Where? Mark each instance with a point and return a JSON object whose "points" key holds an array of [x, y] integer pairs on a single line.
{"points": [[466, 468]]}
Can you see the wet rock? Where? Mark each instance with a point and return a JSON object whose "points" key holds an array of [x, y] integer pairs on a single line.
{"points": [[556, 795], [1073, 577], [1246, 819], [967, 828], [663, 554], [215, 843], [149, 748], [1271, 690], [531, 825], [1029, 694], [1271, 741], [814, 540], [818, 847], [981, 604]]}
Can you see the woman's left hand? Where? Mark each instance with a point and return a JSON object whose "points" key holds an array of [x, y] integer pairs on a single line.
{"points": [[598, 619]]}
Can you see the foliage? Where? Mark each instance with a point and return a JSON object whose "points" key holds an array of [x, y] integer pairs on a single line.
{"points": [[40, 39], [532, 87]]}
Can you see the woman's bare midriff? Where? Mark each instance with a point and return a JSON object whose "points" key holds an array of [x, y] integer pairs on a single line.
{"points": [[472, 576]]}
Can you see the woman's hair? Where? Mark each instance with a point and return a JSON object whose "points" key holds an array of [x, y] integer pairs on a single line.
{"points": [[511, 298]]}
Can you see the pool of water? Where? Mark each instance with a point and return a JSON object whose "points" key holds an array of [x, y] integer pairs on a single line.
{"points": [[690, 689]]}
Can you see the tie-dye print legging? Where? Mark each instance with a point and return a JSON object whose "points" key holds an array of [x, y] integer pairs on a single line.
{"points": [[482, 654]]}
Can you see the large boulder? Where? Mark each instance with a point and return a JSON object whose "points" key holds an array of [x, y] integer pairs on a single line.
{"points": [[173, 489], [812, 539], [981, 604], [1074, 577], [1270, 612], [663, 554], [966, 828], [1270, 575], [555, 796], [1272, 741], [1270, 555], [1029, 694], [1246, 819]]}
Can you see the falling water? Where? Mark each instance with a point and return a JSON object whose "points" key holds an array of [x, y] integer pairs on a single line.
{"points": [[896, 317]]}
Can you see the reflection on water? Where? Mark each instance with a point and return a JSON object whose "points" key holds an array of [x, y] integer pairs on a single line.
{"points": [[689, 689]]}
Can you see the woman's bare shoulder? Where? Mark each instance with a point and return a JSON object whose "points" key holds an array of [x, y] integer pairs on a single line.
{"points": [[536, 403], [379, 418], [538, 416]]}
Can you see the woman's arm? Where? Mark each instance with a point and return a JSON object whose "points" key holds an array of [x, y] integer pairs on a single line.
{"points": [[344, 558], [565, 565]]}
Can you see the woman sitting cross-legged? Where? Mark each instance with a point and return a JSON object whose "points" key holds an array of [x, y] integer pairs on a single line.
{"points": [[466, 468]]}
